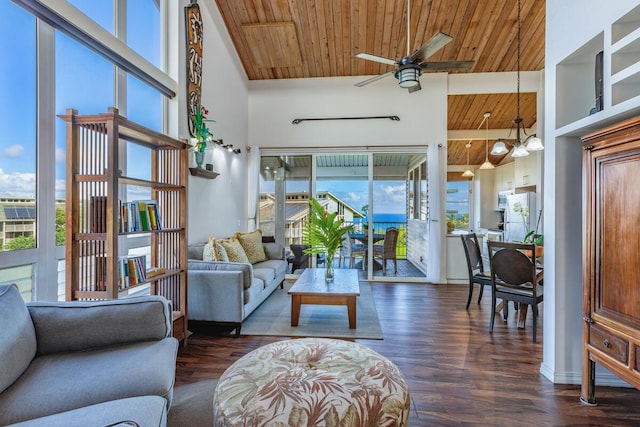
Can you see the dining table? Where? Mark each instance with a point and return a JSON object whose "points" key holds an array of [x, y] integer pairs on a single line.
{"points": [[364, 238]]}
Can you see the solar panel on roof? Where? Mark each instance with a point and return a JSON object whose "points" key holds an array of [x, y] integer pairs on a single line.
{"points": [[19, 212]]}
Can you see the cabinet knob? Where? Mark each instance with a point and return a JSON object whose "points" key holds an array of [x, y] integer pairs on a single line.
{"points": [[606, 343]]}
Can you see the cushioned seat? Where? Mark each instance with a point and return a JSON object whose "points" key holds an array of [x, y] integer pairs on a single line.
{"points": [[308, 380]]}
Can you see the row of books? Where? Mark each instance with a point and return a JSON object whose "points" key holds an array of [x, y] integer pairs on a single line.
{"points": [[139, 215], [131, 270]]}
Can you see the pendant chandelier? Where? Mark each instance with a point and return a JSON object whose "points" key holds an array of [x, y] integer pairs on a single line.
{"points": [[487, 164], [467, 173], [532, 142]]}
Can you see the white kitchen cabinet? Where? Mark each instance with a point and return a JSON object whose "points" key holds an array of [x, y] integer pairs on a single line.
{"points": [[528, 170], [504, 178]]}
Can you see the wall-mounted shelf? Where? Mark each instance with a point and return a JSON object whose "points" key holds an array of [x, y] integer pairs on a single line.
{"points": [[203, 173]]}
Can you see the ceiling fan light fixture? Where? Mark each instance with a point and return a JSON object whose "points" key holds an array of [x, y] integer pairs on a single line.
{"points": [[499, 148], [408, 77]]}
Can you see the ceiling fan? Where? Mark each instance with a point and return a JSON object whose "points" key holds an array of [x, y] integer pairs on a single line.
{"points": [[410, 68]]}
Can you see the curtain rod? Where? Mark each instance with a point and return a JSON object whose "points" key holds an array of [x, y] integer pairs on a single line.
{"points": [[298, 121]]}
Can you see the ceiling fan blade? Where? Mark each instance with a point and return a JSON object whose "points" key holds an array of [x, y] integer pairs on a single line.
{"points": [[434, 44], [369, 57], [415, 88], [447, 65], [376, 78]]}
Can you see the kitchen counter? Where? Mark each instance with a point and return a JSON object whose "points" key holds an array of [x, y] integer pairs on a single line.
{"points": [[457, 272]]}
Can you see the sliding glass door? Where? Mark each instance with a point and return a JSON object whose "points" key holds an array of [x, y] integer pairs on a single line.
{"points": [[382, 194]]}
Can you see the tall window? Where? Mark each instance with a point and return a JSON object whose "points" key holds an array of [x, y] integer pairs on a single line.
{"points": [[69, 75], [458, 202], [18, 125]]}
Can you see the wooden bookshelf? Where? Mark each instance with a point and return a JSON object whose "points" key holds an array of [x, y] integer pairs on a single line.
{"points": [[96, 190]]}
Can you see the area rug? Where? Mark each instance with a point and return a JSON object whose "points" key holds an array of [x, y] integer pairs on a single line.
{"points": [[273, 318], [192, 405]]}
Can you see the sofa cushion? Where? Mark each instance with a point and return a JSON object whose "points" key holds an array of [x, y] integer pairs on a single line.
{"points": [[252, 244], [194, 251], [279, 267], [80, 325], [273, 250], [143, 411], [65, 381], [247, 269], [265, 274], [234, 249], [254, 291], [17, 335]]}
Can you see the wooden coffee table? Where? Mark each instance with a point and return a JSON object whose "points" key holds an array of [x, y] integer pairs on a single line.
{"points": [[311, 288]]}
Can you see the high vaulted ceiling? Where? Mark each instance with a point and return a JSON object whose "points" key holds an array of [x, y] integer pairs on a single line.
{"points": [[279, 39]]}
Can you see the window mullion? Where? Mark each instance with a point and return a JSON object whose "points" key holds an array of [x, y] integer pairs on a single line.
{"points": [[46, 269]]}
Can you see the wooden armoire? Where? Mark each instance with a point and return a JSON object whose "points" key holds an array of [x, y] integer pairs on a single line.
{"points": [[611, 254]]}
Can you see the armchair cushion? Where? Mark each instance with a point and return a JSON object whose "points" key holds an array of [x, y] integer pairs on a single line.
{"points": [[75, 326], [17, 329], [147, 411], [85, 378]]}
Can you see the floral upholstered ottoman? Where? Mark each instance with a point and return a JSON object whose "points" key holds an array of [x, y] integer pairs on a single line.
{"points": [[312, 382]]}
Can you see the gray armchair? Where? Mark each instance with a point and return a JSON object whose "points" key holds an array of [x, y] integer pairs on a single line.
{"points": [[104, 361]]}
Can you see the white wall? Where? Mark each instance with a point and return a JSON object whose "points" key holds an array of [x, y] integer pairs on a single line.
{"points": [[569, 25], [273, 104], [218, 207]]}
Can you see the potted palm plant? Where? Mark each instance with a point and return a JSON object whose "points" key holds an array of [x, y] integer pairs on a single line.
{"points": [[325, 234]]}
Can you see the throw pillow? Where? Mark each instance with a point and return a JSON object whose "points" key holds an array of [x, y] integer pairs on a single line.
{"points": [[234, 251], [252, 244], [209, 253], [221, 252]]}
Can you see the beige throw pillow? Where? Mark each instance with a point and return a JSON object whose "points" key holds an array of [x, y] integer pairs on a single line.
{"points": [[221, 252], [209, 253], [234, 251], [252, 244]]}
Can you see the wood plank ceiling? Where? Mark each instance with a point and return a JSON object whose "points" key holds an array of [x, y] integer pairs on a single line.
{"points": [[279, 39]]}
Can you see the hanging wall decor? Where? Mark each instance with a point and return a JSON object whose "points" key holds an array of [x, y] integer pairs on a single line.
{"points": [[193, 26]]}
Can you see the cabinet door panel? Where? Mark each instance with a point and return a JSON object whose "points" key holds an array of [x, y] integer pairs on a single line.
{"points": [[618, 240]]}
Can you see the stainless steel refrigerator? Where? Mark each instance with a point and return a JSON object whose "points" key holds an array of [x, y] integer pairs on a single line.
{"points": [[516, 224]]}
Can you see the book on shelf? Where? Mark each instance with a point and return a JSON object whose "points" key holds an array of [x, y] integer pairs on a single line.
{"points": [[139, 215], [132, 270]]}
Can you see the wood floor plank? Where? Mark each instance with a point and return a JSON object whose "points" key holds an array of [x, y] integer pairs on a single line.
{"points": [[458, 373]]}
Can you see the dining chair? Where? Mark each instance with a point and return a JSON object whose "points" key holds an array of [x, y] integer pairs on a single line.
{"points": [[351, 251], [387, 250], [300, 259], [514, 277], [475, 266]]}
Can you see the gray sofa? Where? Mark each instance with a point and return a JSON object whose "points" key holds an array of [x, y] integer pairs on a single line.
{"points": [[227, 292], [85, 363]]}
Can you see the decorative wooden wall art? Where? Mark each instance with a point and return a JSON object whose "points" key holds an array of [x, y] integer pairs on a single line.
{"points": [[193, 26]]}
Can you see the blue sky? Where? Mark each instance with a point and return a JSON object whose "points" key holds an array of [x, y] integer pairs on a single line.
{"points": [[83, 81]]}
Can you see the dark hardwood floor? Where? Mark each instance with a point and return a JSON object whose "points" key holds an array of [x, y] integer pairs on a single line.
{"points": [[458, 373]]}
